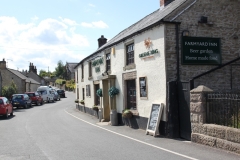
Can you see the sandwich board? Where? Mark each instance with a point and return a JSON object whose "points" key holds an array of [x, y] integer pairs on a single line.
{"points": [[154, 119]]}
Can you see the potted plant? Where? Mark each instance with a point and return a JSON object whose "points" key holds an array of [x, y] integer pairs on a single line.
{"points": [[127, 113], [82, 101], [113, 91], [95, 108], [76, 101], [99, 92]]}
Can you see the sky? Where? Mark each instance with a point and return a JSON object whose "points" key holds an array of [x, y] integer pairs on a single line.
{"points": [[44, 32]]}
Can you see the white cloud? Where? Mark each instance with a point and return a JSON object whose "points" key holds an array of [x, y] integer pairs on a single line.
{"points": [[91, 5], [68, 21], [43, 43], [98, 24]]}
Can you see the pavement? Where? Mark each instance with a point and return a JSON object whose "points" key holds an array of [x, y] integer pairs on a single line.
{"points": [[174, 146]]}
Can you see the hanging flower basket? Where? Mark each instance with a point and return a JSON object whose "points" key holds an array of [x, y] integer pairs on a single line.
{"points": [[113, 91], [95, 108], [99, 92], [76, 101], [127, 114]]}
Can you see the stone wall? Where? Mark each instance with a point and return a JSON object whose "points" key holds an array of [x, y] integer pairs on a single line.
{"points": [[8, 77], [224, 23], [222, 137]]}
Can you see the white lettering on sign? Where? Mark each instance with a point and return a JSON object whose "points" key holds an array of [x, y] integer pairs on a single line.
{"points": [[201, 44]]}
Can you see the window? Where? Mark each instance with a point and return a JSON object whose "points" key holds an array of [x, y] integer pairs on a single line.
{"points": [[83, 94], [130, 54], [82, 71], [89, 69], [88, 90], [77, 76], [143, 87], [108, 62]]}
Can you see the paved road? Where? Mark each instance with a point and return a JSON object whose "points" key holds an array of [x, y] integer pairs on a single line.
{"points": [[57, 131]]}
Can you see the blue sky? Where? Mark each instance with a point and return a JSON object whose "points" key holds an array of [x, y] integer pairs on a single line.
{"points": [[45, 31]]}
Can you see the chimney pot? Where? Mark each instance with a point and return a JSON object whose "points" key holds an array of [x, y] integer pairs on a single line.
{"points": [[101, 41]]}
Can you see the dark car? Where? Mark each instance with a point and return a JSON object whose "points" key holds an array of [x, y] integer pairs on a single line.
{"points": [[61, 92], [5, 107], [35, 97], [21, 100]]}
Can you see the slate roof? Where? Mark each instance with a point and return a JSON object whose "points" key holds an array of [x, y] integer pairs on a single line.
{"points": [[71, 66], [20, 75], [138, 27]]}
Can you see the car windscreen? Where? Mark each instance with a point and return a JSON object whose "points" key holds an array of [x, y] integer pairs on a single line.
{"points": [[42, 92], [17, 97]]}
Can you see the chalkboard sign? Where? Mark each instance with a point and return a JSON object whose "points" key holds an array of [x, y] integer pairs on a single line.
{"points": [[154, 119], [143, 86]]}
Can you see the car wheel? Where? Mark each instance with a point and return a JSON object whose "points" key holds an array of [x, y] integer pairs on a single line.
{"points": [[6, 115], [11, 114], [30, 105], [38, 103]]}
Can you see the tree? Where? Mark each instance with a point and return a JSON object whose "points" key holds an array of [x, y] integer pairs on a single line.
{"points": [[60, 69]]}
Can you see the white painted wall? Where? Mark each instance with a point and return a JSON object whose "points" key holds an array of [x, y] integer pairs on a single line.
{"points": [[153, 68]]}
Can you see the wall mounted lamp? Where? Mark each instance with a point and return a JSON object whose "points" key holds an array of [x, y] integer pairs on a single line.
{"points": [[185, 33]]}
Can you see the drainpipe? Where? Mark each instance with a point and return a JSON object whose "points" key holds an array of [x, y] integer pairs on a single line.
{"points": [[177, 50]]}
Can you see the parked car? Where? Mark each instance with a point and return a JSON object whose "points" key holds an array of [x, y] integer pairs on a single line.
{"points": [[56, 95], [61, 92], [46, 93], [5, 107], [36, 98], [21, 100]]}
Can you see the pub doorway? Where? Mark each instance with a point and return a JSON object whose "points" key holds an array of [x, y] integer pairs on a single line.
{"points": [[96, 98], [131, 94]]}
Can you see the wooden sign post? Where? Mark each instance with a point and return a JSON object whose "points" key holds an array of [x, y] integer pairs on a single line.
{"points": [[154, 119]]}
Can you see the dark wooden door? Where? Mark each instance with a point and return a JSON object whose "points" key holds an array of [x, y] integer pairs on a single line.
{"points": [[97, 98], [131, 94], [184, 110]]}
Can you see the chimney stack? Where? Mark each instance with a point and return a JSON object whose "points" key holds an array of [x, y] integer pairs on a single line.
{"points": [[101, 41], [164, 3], [3, 64]]}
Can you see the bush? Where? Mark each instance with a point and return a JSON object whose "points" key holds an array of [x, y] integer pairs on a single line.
{"points": [[8, 91]]}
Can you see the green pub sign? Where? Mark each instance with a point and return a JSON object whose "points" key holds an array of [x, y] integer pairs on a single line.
{"points": [[201, 50]]}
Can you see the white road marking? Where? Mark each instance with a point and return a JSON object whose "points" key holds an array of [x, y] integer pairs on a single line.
{"points": [[179, 154]]}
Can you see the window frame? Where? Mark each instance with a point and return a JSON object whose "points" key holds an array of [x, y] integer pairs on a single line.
{"points": [[130, 54], [108, 62], [88, 90]]}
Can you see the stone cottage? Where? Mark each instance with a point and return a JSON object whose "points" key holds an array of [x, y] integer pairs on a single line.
{"points": [[23, 83], [160, 58]]}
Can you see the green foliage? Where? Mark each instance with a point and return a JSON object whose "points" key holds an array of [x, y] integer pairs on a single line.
{"points": [[8, 91], [99, 92], [82, 101], [60, 69], [76, 101], [44, 73], [60, 81], [113, 91], [70, 84]]}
